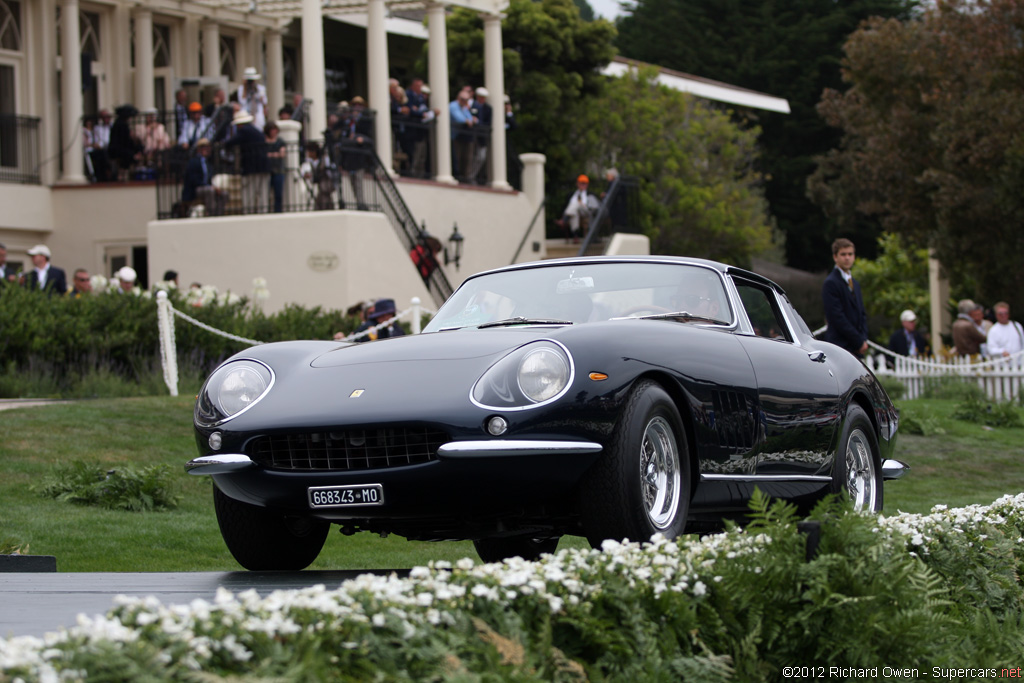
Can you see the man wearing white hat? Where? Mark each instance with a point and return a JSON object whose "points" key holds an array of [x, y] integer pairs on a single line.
{"points": [[126, 277], [907, 341], [485, 117], [45, 277], [255, 166], [252, 96]]}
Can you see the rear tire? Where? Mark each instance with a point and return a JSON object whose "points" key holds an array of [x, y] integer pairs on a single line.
{"points": [[857, 472], [498, 549], [640, 485], [261, 539]]}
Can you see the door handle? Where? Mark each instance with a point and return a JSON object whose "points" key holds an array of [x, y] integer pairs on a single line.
{"points": [[816, 356]]}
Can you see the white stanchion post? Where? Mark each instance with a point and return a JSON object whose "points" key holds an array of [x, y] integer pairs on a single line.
{"points": [[417, 315], [168, 351]]}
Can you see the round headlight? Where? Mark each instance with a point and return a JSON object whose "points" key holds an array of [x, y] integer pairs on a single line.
{"points": [[231, 389], [543, 373], [239, 389]]}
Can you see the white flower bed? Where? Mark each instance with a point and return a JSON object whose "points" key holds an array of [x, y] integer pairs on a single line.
{"points": [[204, 634]]}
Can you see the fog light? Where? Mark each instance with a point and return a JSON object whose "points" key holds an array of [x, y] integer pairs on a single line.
{"points": [[497, 425], [215, 441]]}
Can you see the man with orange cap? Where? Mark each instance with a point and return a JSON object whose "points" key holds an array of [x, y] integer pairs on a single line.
{"points": [[580, 210], [194, 128]]}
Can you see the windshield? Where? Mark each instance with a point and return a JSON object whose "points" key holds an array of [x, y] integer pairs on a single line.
{"points": [[583, 293]]}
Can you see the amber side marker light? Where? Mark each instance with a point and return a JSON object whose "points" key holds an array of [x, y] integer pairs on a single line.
{"points": [[598, 376]]}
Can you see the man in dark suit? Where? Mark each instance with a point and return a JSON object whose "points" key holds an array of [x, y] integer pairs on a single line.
{"points": [[45, 277], [907, 341], [844, 306], [198, 182]]}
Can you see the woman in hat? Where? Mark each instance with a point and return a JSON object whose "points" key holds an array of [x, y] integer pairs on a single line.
{"points": [[252, 96]]}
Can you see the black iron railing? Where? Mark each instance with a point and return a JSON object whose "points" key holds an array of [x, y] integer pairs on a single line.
{"points": [[619, 212], [249, 179], [19, 149]]}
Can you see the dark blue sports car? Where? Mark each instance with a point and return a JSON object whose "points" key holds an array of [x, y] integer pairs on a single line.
{"points": [[609, 397]]}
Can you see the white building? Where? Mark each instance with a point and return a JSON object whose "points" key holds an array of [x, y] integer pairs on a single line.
{"points": [[62, 60]]}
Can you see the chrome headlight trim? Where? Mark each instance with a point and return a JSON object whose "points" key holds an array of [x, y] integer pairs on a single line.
{"points": [[505, 375], [211, 404]]}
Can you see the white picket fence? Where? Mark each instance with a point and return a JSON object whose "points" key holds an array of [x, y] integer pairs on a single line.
{"points": [[1000, 378], [166, 312]]}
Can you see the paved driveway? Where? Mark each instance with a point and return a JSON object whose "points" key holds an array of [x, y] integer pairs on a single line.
{"points": [[32, 604]]}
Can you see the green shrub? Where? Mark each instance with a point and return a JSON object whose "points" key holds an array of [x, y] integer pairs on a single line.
{"points": [[108, 344], [991, 413], [125, 488], [893, 387], [954, 388]]}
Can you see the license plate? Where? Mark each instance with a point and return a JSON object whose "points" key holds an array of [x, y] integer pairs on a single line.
{"points": [[345, 496]]}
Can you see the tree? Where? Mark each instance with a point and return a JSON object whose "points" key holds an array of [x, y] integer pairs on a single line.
{"points": [[699, 191], [932, 143], [790, 49], [552, 66]]}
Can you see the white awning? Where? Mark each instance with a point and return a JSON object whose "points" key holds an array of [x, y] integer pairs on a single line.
{"points": [[702, 87]]}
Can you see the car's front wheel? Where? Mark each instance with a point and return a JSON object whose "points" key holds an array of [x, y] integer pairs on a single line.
{"points": [[262, 539], [641, 485], [498, 549], [857, 473]]}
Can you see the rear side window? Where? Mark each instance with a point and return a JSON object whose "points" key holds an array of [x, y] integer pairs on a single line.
{"points": [[762, 309]]}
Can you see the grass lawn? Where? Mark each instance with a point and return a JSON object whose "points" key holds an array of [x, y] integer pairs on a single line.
{"points": [[965, 463]]}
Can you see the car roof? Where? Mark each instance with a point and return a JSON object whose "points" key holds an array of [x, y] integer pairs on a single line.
{"points": [[723, 268]]}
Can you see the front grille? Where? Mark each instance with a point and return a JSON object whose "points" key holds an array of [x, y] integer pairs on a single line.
{"points": [[355, 449]]}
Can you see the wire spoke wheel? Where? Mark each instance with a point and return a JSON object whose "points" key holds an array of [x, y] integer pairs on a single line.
{"points": [[861, 478], [659, 473]]}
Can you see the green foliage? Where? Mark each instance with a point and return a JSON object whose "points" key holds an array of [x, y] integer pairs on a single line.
{"points": [[952, 388], [125, 488], [991, 413], [786, 49], [699, 192], [552, 60], [893, 387], [897, 279], [932, 144], [108, 344]]}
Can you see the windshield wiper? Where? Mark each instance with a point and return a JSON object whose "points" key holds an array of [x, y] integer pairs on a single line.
{"points": [[685, 316], [520, 320]]}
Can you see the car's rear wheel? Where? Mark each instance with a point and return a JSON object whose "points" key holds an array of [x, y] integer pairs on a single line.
{"points": [[498, 549], [857, 473], [262, 539], [641, 485]]}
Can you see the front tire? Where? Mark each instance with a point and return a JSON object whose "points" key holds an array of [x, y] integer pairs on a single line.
{"points": [[857, 473], [498, 549], [641, 485], [261, 539]]}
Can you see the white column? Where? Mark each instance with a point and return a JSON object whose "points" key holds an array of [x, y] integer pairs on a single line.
{"points": [[314, 83], [211, 49], [533, 188], [494, 81], [938, 295], [275, 74], [377, 74], [437, 56], [143, 59], [294, 190], [71, 93], [190, 45]]}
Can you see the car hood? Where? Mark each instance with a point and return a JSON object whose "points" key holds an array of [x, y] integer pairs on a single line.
{"points": [[463, 345], [412, 379]]}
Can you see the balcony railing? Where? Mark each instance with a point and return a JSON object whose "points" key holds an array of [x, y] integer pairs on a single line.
{"points": [[19, 149]]}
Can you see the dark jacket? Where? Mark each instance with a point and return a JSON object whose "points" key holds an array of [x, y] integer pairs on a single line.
{"points": [[56, 281], [195, 177], [844, 313], [898, 343], [254, 149]]}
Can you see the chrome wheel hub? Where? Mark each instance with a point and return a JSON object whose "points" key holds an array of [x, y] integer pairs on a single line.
{"points": [[861, 482], [659, 473]]}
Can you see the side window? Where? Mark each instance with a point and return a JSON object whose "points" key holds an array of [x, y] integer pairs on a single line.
{"points": [[762, 310]]}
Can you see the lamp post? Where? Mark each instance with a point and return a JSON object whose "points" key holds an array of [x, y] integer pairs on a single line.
{"points": [[455, 245]]}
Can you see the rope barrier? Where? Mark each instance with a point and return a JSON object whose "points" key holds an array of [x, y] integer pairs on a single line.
{"points": [[168, 350]]}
